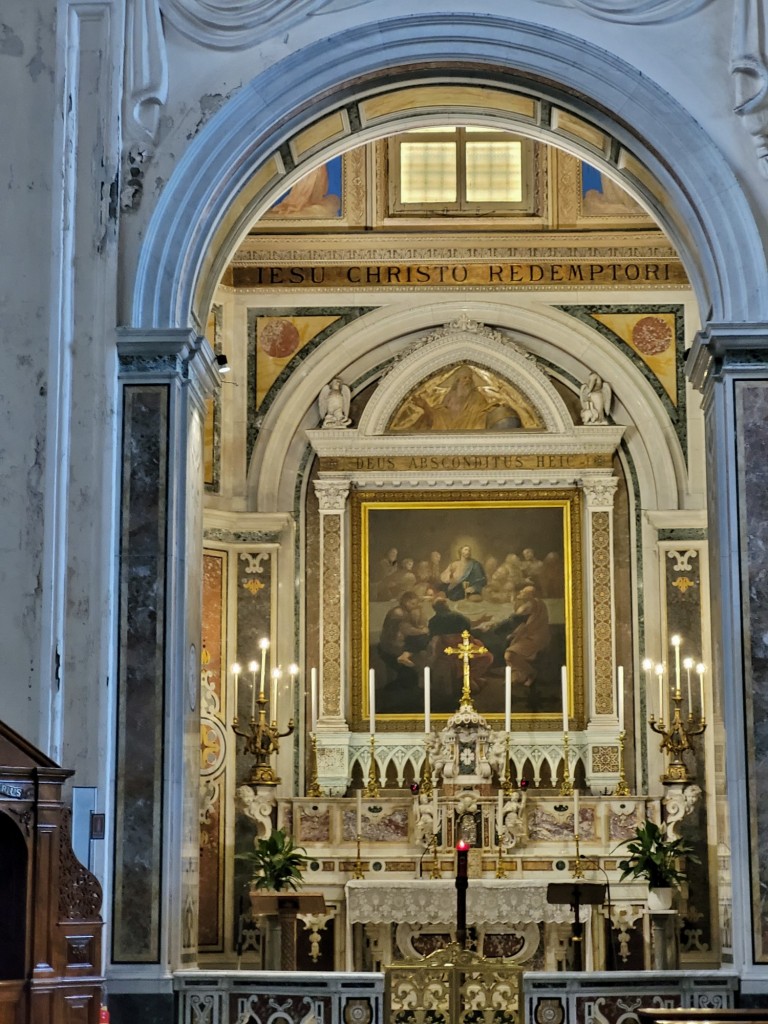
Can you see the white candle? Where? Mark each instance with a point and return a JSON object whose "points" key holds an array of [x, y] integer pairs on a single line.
{"points": [[264, 645], [620, 696], [700, 670], [372, 700], [507, 698], [660, 674], [313, 698], [576, 813], [564, 682], [675, 641], [236, 674], [359, 828], [427, 700], [253, 668], [276, 676]]}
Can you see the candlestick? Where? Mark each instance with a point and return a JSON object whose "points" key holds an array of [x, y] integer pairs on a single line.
{"points": [[688, 665], [253, 668], [264, 645], [372, 700], [236, 674], [620, 696], [660, 673], [508, 698], [576, 814], [427, 700], [675, 641], [564, 683]]}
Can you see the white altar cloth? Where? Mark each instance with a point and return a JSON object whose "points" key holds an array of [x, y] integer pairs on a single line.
{"points": [[490, 901]]}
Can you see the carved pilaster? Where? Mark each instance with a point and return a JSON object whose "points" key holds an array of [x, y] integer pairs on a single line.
{"points": [[599, 495], [332, 499]]}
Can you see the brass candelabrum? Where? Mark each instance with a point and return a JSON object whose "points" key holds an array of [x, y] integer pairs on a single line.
{"points": [[314, 788], [426, 786], [578, 870], [262, 740], [677, 739], [622, 789]]}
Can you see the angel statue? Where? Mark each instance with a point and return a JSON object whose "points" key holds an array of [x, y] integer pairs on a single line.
{"points": [[596, 396], [334, 404]]}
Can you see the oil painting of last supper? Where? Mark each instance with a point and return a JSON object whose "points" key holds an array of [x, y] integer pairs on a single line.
{"points": [[502, 570]]}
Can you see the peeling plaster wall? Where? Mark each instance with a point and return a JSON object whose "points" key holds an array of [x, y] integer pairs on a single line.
{"points": [[27, 115]]}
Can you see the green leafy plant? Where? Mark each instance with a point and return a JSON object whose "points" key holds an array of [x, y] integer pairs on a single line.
{"points": [[654, 856], [277, 863]]}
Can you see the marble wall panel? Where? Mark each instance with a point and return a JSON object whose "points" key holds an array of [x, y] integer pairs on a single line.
{"points": [[141, 676], [751, 408], [213, 750]]}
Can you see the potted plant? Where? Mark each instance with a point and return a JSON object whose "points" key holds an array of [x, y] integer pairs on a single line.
{"points": [[277, 873], [277, 863], [654, 856]]}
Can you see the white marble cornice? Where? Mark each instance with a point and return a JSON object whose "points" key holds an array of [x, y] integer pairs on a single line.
{"points": [[471, 481]]}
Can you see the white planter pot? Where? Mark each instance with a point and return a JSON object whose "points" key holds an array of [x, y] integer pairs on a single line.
{"points": [[660, 899]]}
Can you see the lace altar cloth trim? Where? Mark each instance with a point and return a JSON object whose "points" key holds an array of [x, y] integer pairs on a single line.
{"points": [[433, 901]]}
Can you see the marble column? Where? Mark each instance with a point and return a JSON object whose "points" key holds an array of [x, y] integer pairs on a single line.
{"points": [[602, 709], [729, 364], [332, 729], [164, 379]]}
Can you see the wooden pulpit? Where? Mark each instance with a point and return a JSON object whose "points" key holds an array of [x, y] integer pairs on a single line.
{"points": [[50, 940]]}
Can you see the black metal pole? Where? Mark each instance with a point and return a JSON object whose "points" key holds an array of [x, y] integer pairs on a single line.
{"points": [[462, 852], [577, 931]]}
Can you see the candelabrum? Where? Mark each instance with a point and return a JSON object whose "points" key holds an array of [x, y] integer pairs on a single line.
{"points": [[262, 740], [500, 872], [676, 739], [372, 788], [622, 789], [313, 788], [566, 786]]}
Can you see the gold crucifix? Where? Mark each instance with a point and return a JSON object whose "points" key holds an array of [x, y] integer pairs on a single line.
{"points": [[466, 651]]}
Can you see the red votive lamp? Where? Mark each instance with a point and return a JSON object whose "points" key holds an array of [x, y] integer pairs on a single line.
{"points": [[462, 851]]}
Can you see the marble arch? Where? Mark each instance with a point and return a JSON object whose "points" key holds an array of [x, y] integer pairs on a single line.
{"points": [[705, 212], [573, 347]]}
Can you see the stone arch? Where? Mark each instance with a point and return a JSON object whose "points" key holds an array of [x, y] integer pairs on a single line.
{"points": [[698, 202]]}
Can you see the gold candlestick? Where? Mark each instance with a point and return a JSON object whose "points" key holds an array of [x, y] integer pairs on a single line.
{"points": [[500, 872], [358, 872], [566, 786], [622, 789], [577, 869], [435, 872], [506, 784], [425, 783], [313, 789], [372, 789]]}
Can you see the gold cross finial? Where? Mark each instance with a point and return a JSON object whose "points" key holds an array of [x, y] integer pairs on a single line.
{"points": [[466, 651]]}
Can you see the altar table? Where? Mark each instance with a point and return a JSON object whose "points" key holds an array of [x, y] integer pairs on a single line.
{"points": [[492, 903]]}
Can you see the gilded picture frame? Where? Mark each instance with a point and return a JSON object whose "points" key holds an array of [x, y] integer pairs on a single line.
{"points": [[507, 565]]}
